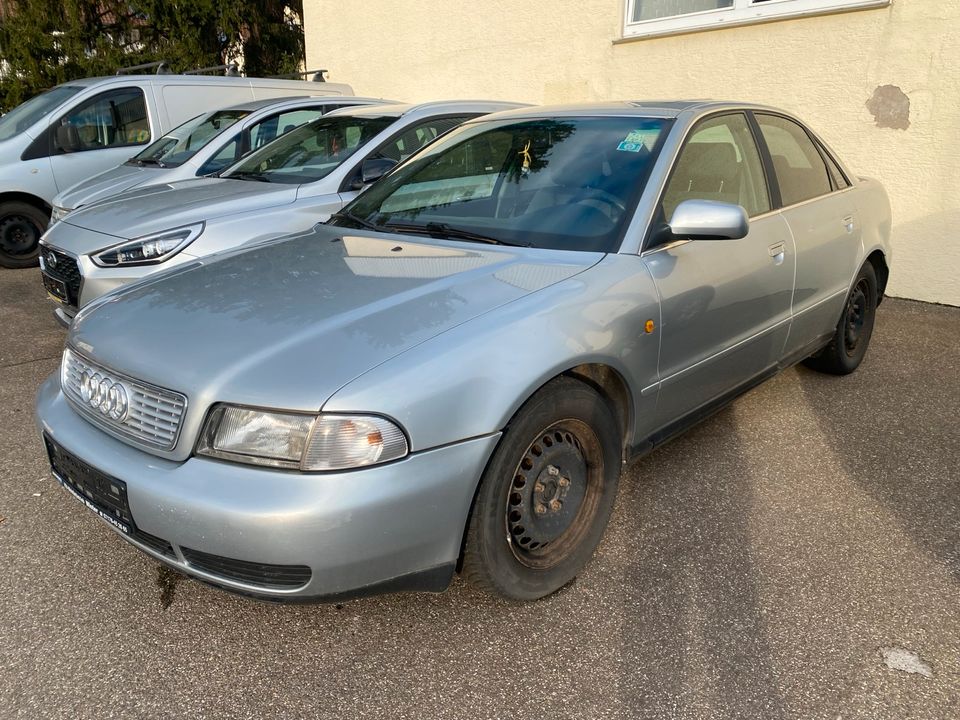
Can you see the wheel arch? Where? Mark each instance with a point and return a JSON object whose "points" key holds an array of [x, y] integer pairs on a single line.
{"points": [[882, 270], [37, 202], [604, 379]]}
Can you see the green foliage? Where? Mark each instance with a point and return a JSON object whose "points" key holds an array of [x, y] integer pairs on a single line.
{"points": [[47, 42]]}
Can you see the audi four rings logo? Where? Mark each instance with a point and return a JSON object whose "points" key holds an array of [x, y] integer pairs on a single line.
{"points": [[107, 396]]}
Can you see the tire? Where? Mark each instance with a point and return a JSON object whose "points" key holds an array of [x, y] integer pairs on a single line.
{"points": [[546, 495], [21, 226], [850, 340]]}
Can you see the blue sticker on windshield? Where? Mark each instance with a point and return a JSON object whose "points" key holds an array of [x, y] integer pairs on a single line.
{"points": [[639, 139]]}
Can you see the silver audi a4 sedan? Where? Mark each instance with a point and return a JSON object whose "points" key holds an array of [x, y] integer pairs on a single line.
{"points": [[286, 186], [451, 372]]}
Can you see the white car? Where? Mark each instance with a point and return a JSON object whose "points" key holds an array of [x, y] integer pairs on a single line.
{"points": [[203, 145], [287, 186]]}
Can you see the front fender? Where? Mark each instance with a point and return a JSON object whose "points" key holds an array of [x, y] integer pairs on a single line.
{"points": [[469, 381]]}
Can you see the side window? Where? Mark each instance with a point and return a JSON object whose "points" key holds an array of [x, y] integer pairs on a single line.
{"points": [[719, 161], [414, 137], [227, 155], [274, 126], [112, 119], [800, 169], [839, 181]]}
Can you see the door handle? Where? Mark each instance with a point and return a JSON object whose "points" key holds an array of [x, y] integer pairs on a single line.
{"points": [[776, 249]]}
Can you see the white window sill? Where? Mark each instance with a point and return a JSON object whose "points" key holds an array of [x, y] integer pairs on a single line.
{"points": [[717, 20]]}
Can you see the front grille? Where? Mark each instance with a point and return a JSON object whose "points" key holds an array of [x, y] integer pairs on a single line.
{"points": [[61, 266], [153, 416], [283, 577]]}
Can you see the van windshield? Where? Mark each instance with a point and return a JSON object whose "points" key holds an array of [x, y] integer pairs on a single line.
{"points": [[25, 115], [310, 152], [186, 140]]}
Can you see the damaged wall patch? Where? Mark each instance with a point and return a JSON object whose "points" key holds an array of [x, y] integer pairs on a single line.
{"points": [[890, 107]]}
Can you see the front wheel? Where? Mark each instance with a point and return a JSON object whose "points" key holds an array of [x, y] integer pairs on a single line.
{"points": [[852, 335], [546, 495], [21, 226]]}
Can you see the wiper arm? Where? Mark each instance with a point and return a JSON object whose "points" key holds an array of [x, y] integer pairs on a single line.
{"points": [[442, 230], [148, 161], [259, 177], [350, 217]]}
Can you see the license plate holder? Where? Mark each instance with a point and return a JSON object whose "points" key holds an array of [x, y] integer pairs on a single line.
{"points": [[104, 495], [56, 289]]}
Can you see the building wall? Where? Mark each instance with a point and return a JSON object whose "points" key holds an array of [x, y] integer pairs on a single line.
{"points": [[825, 68]]}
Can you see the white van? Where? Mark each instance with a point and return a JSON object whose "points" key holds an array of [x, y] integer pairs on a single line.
{"points": [[81, 128]]}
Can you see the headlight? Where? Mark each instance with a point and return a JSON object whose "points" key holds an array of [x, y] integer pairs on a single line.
{"points": [[59, 213], [149, 249], [302, 442]]}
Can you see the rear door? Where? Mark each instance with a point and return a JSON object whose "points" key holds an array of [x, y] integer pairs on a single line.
{"points": [[725, 304], [823, 218]]}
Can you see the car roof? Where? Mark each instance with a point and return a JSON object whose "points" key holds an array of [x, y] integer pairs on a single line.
{"points": [[325, 88], [439, 107], [644, 108], [297, 100]]}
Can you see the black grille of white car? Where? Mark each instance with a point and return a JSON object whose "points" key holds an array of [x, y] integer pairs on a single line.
{"points": [[143, 413]]}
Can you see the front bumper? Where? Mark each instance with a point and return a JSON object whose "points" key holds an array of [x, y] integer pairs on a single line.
{"points": [[392, 527]]}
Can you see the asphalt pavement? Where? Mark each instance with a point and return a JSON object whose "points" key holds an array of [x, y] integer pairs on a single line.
{"points": [[795, 556]]}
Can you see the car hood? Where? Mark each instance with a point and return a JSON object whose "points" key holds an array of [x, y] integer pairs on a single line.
{"points": [[155, 208], [288, 322], [109, 183]]}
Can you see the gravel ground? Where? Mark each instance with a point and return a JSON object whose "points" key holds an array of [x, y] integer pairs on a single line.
{"points": [[795, 556]]}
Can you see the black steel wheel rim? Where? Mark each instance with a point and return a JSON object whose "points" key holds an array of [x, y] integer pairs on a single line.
{"points": [[855, 317], [554, 495], [19, 235]]}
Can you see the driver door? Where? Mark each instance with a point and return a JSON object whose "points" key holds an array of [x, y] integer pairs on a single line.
{"points": [[725, 304]]}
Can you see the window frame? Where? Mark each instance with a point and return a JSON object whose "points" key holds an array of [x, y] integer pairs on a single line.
{"points": [[56, 150], [651, 240], [825, 156], [742, 12]]}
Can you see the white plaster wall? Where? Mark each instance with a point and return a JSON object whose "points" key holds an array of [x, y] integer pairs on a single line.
{"points": [[823, 68]]}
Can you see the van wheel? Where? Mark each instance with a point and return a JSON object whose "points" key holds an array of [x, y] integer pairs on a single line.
{"points": [[852, 336], [21, 226], [546, 495]]}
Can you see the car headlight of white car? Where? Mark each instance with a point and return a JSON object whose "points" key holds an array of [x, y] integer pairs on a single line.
{"points": [[149, 249], [59, 213], [299, 441]]}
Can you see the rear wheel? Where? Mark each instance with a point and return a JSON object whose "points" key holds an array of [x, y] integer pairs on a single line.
{"points": [[546, 495], [852, 336], [21, 226]]}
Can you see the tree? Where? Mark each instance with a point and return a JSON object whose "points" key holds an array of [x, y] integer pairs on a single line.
{"points": [[47, 42]]}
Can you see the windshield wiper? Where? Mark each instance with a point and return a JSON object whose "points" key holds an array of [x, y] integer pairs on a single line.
{"points": [[247, 175], [442, 230], [350, 217]]}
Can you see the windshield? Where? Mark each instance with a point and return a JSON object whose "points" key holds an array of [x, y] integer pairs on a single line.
{"points": [[563, 183], [25, 115], [185, 141], [310, 152]]}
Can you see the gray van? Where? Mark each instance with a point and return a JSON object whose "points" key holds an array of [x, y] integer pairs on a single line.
{"points": [[81, 128]]}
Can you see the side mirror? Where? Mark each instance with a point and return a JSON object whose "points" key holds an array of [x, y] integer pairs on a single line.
{"points": [[709, 220], [372, 169], [68, 139]]}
